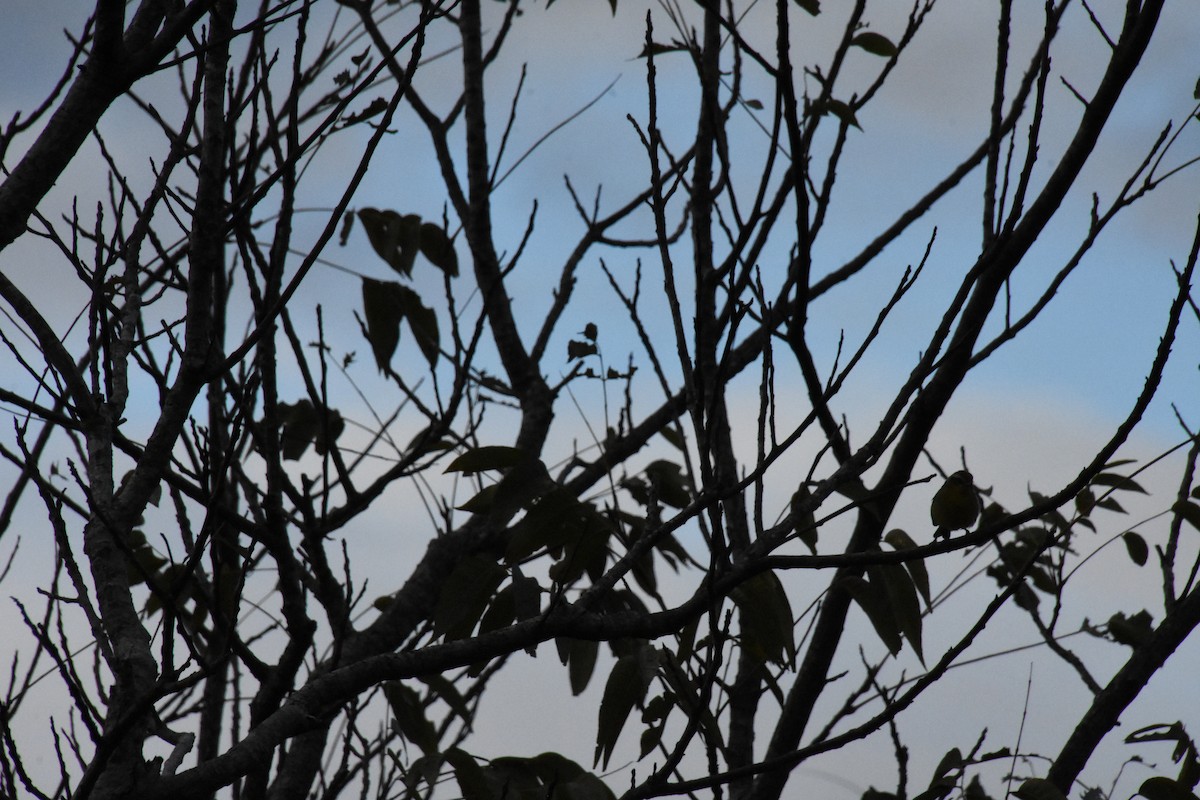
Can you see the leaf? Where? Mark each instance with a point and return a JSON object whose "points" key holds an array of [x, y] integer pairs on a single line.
{"points": [[449, 694], [900, 540], [302, 424], [1161, 732], [501, 611], [580, 657], [1038, 789], [1136, 545], [465, 594], [1117, 482], [383, 316], [902, 599], [394, 237], [585, 548], [766, 618], [1085, 501], [422, 321], [408, 713], [944, 780], [874, 43], [757, 105], [650, 739], [438, 248], [1189, 511], [483, 500], [488, 457], [873, 600], [626, 688], [811, 6], [551, 522], [1160, 788]]}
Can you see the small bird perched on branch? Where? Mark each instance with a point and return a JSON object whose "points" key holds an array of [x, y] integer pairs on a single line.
{"points": [[955, 506]]}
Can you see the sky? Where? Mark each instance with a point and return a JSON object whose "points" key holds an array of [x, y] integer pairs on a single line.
{"points": [[1025, 417]]}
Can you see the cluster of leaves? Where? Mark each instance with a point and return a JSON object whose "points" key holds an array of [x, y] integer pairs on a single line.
{"points": [[1161, 787], [490, 590], [951, 774], [891, 595], [398, 238], [302, 424], [1040, 551]]}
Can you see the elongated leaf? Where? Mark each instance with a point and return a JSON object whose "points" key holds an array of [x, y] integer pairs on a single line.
{"points": [[465, 594], [766, 618], [585, 548], [488, 457], [1118, 482], [902, 599], [500, 612], [945, 776], [395, 237], [873, 600], [874, 43], [1138, 550], [554, 520], [900, 540], [438, 248], [626, 688], [483, 500], [421, 320], [580, 657], [448, 693], [304, 424], [383, 314], [408, 712], [1189, 511]]}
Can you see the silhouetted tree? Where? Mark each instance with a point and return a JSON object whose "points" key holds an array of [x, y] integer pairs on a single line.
{"points": [[213, 461]]}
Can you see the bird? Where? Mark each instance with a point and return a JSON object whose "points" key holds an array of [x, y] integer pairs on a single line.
{"points": [[955, 506]]}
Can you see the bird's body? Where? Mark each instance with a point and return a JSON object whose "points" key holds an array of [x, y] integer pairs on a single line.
{"points": [[955, 506]]}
